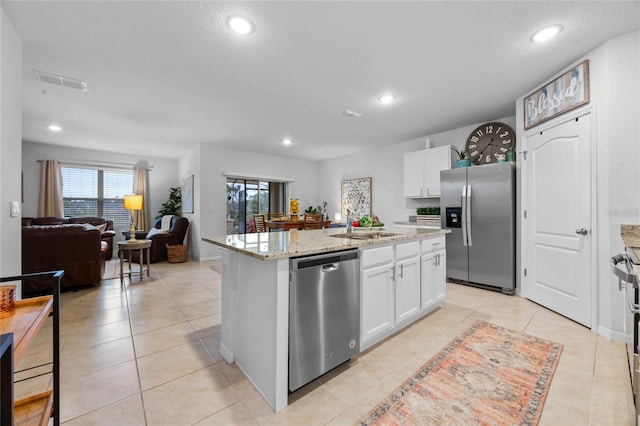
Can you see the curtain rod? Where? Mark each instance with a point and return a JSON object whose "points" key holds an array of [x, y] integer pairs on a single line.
{"points": [[110, 164]]}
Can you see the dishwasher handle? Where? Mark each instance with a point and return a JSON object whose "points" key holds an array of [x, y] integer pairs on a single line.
{"points": [[329, 267], [623, 276]]}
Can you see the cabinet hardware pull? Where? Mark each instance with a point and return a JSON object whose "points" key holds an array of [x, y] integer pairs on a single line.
{"points": [[401, 270]]}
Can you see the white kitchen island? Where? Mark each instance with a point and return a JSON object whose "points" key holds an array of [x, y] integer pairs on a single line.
{"points": [[255, 294]]}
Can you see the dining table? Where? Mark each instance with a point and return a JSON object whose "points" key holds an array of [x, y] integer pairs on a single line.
{"points": [[288, 224]]}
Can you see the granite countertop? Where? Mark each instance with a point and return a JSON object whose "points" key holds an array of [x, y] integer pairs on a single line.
{"points": [[282, 245], [631, 238], [419, 225]]}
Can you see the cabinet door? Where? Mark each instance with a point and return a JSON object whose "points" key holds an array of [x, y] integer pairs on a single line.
{"points": [[436, 160], [407, 286], [427, 293], [376, 310], [414, 174], [433, 279], [439, 276]]}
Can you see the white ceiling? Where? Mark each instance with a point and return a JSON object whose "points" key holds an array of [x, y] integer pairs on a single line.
{"points": [[163, 76]]}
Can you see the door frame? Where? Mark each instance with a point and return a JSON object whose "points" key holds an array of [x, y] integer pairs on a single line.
{"points": [[593, 243]]}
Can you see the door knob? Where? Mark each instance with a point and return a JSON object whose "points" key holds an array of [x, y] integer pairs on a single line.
{"points": [[582, 231]]}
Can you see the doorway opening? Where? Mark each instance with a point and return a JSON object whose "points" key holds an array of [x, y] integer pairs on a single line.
{"points": [[246, 197]]}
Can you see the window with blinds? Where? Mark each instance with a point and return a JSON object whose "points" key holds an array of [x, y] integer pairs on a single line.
{"points": [[97, 192]]}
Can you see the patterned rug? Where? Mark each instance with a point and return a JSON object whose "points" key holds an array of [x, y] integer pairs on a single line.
{"points": [[488, 375]]}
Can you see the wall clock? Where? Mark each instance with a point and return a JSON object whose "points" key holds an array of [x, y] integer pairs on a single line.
{"points": [[487, 142]]}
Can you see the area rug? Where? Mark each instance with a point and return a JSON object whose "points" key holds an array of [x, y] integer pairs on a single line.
{"points": [[489, 375]]}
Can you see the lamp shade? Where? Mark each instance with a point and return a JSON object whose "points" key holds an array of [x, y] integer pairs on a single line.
{"points": [[133, 202]]}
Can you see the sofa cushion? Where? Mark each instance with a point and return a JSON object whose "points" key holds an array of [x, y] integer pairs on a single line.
{"points": [[48, 221], [101, 228]]}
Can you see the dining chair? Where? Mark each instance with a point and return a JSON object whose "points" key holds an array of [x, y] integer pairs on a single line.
{"points": [[272, 216], [312, 221], [259, 221]]}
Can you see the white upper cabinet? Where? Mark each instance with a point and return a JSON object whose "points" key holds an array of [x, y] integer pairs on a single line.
{"points": [[422, 171], [413, 174], [436, 160]]}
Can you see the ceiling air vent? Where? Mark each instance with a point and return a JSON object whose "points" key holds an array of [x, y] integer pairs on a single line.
{"points": [[60, 80], [351, 114]]}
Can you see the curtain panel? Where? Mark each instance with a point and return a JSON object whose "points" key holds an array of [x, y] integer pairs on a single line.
{"points": [[50, 203], [141, 187]]}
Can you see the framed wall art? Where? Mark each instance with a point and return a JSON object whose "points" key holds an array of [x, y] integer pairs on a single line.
{"points": [[187, 194], [355, 196], [567, 92]]}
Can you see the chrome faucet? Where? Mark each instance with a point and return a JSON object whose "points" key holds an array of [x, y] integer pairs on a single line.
{"points": [[349, 223]]}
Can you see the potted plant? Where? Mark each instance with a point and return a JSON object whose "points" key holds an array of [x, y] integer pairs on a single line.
{"points": [[173, 206], [462, 160]]}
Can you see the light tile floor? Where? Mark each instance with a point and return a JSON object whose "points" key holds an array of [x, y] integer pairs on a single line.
{"points": [[147, 353]]}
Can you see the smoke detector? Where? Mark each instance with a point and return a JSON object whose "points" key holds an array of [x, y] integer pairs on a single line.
{"points": [[351, 114], [60, 80]]}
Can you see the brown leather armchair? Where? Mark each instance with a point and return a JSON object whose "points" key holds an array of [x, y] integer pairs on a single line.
{"points": [[158, 251], [76, 249], [106, 235]]}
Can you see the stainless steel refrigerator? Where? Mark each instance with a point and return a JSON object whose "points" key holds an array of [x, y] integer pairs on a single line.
{"points": [[477, 205]]}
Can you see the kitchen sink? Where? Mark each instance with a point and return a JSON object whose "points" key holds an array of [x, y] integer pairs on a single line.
{"points": [[364, 235]]}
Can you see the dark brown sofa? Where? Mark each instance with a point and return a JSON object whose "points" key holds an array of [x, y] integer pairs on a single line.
{"points": [[158, 251], [106, 235], [76, 249]]}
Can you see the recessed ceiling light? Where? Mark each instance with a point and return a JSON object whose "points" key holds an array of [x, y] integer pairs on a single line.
{"points": [[55, 128], [386, 99], [286, 141], [546, 34], [240, 24]]}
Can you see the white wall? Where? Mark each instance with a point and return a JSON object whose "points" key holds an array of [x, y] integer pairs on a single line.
{"points": [[212, 186], [189, 165], [616, 93], [385, 166], [10, 137], [614, 99], [163, 176]]}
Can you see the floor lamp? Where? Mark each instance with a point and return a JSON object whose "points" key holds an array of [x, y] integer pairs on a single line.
{"points": [[133, 203]]}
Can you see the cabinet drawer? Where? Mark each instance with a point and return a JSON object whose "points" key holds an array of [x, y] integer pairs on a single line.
{"points": [[433, 244], [376, 256], [410, 249]]}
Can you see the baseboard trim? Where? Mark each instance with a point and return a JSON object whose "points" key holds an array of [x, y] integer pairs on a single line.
{"points": [[209, 258], [608, 334]]}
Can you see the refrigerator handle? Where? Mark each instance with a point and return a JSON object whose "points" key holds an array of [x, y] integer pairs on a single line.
{"points": [[468, 216], [463, 202]]}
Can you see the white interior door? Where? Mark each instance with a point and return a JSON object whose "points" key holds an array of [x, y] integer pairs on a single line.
{"points": [[558, 224]]}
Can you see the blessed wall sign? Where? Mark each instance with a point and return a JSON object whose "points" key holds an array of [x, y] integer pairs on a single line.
{"points": [[567, 92]]}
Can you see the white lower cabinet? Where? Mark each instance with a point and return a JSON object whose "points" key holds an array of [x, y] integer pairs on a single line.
{"points": [[407, 280], [377, 307], [433, 272], [433, 279], [392, 287]]}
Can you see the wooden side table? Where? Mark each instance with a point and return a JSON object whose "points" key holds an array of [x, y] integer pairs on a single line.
{"points": [[143, 246]]}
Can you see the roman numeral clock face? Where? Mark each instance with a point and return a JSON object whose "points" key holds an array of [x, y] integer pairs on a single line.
{"points": [[486, 143]]}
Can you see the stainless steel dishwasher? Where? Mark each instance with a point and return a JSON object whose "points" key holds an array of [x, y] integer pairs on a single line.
{"points": [[324, 314]]}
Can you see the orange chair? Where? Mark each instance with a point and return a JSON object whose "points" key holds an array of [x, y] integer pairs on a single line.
{"points": [[259, 221], [312, 221]]}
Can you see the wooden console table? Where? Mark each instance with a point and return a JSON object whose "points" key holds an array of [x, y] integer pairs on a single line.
{"points": [[18, 331]]}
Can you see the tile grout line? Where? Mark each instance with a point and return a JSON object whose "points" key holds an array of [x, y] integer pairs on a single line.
{"points": [[135, 354]]}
